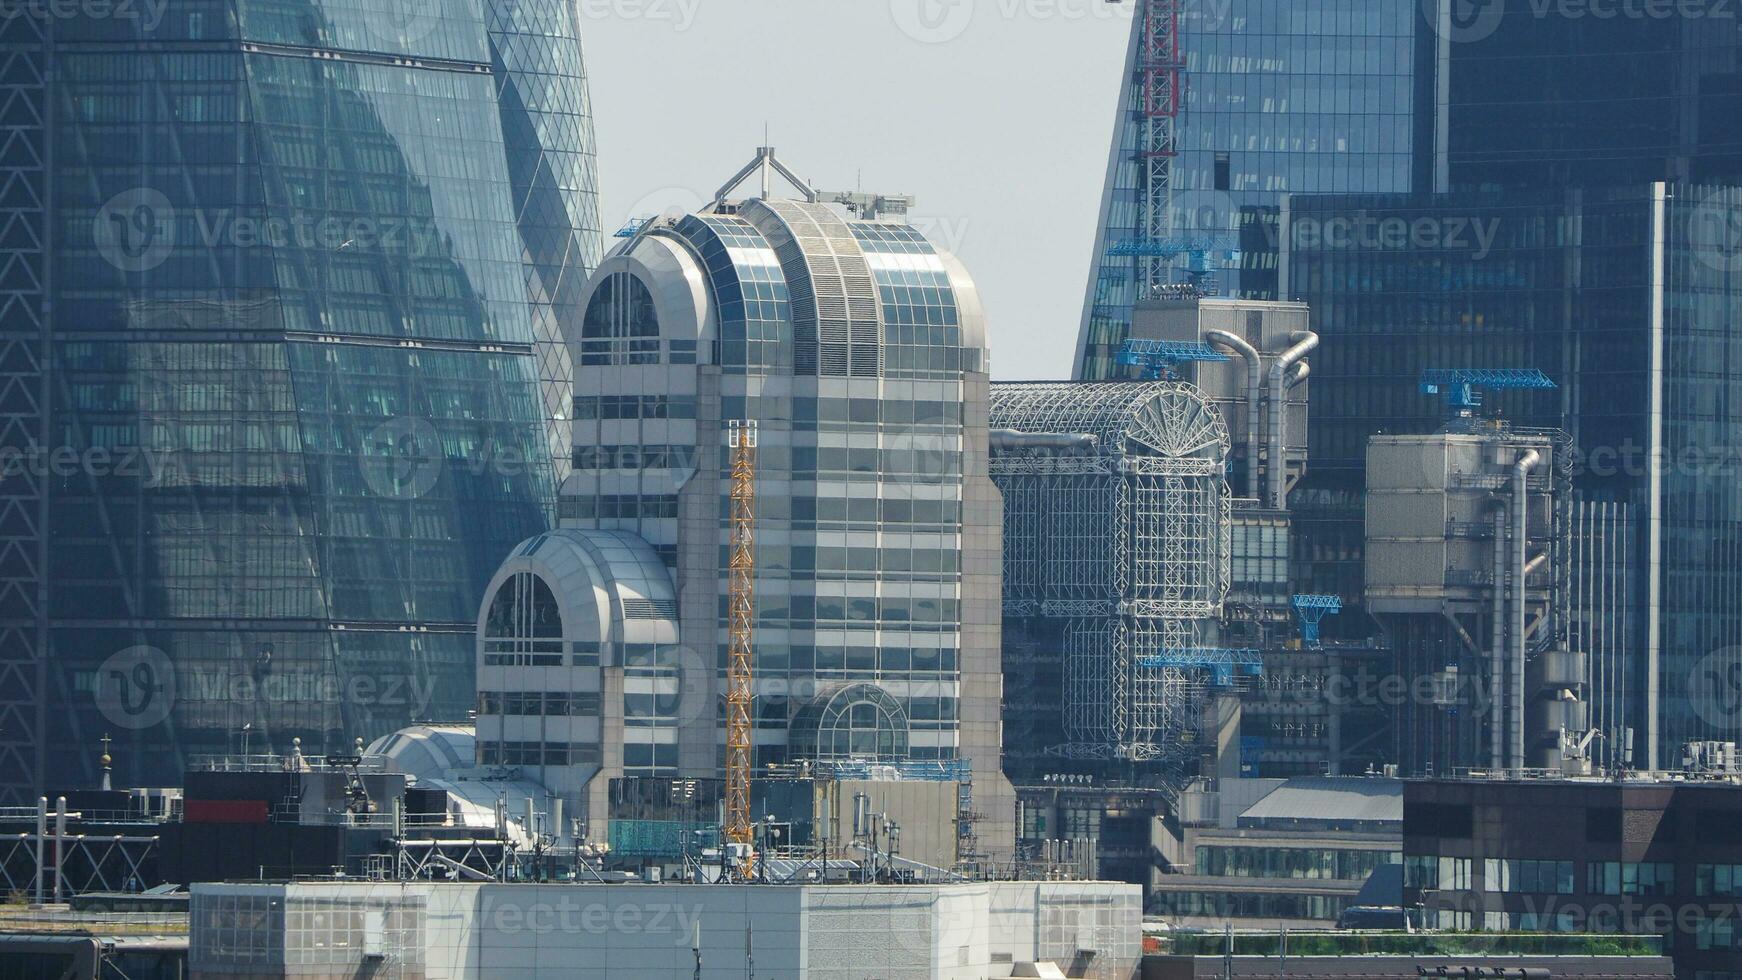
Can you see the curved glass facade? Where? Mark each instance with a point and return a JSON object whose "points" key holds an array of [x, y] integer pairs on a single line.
{"points": [[284, 353], [547, 127]]}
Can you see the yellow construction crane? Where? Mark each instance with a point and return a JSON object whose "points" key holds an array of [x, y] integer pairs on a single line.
{"points": [[741, 616]]}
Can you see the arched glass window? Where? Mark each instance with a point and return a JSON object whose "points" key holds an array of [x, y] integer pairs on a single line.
{"points": [[861, 722], [524, 626], [622, 307], [620, 326]]}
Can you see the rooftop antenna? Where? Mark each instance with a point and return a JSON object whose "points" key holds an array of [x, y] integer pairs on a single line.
{"points": [[768, 164]]}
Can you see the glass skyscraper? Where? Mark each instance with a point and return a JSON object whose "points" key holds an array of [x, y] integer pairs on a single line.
{"points": [[1535, 95], [547, 127], [1530, 142], [274, 411], [1562, 145], [1628, 298], [1225, 108]]}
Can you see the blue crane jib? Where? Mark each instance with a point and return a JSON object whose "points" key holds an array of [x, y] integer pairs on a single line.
{"points": [[1311, 610], [1223, 665], [1157, 358], [1462, 387]]}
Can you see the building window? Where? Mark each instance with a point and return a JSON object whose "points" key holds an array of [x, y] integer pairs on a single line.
{"points": [[524, 609], [1436, 873], [622, 307], [1531, 877], [1226, 861], [616, 407], [556, 705], [1718, 879], [1080, 822], [1630, 878], [1033, 821], [1225, 905], [1421, 871], [1715, 932], [858, 722], [537, 754], [620, 326]]}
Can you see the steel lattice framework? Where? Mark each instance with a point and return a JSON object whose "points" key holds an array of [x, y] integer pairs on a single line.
{"points": [[26, 52], [1126, 538], [741, 609], [1160, 67], [88, 862]]}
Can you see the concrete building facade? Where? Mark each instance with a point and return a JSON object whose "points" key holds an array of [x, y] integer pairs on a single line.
{"points": [[458, 931]]}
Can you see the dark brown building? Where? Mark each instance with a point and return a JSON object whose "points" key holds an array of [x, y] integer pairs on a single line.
{"points": [[1583, 856], [1407, 967]]}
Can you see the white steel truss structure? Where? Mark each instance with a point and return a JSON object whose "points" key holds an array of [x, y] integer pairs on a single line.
{"points": [[438, 859], [1118, 521], [87, 863]]}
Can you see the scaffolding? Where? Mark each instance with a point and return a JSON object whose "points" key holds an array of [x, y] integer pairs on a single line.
{"points": [[1117, 523]]}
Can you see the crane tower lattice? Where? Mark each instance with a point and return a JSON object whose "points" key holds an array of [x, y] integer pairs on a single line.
{"points": [[741, 615]]}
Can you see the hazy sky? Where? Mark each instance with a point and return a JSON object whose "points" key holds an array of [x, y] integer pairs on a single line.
{"points": [[995, 114]]}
